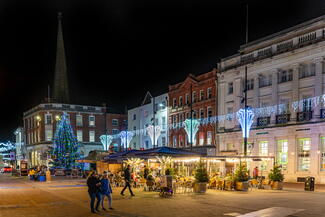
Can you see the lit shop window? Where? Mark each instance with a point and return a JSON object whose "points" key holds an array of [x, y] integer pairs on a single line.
{"points": [[263, 148], [282, 153], [322, 154], [303, 154]]}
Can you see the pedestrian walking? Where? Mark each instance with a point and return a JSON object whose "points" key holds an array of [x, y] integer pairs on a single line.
{"points": [[127, 178], [94, 191], [255, 173], [106, 191]]}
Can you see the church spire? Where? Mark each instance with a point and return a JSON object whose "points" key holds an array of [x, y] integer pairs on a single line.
{"points": [[61, 90]]}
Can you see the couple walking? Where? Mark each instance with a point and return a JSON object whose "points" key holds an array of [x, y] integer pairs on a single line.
{"points": [[99, 188]]}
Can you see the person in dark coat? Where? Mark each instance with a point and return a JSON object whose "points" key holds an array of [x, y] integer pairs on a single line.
{"points": [[127, 178], [106, 191], [94, 191]]}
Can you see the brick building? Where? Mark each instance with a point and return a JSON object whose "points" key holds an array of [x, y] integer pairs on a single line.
{"points": [[198, 93]]}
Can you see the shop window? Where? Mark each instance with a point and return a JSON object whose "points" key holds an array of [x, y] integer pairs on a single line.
{"points": [[303, 154], [282, 153]]}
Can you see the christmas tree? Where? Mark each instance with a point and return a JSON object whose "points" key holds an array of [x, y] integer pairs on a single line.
{"points": [[66, 146]]}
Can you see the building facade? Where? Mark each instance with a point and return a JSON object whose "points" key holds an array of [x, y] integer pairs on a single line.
{"points": [[285, 87], [196, 93], [115, 123], [40, 125], [139, 118]]}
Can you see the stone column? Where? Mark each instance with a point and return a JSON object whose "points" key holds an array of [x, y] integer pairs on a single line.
{"points": [[318, 84], [295, 90], [237, 92], [274, 92], [314, 156], [292, 159], [221, 101], [256, 92]]}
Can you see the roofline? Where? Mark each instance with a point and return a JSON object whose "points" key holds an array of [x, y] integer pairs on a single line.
{"points": [[282, 32]]}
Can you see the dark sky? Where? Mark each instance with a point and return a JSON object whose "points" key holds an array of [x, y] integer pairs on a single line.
{"points": [[118, 49]]}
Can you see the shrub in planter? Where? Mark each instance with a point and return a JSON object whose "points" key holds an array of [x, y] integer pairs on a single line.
{"points": [[201, 179], [276, 178], [241, 178]]}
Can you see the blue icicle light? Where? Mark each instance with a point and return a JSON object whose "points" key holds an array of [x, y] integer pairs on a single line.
{"points": [[249, 122]]}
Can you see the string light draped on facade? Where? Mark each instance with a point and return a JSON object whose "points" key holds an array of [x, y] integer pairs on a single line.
{"points": [[6, 147], [245, 125], [126, 137], [154, 135], [191, 131], [65, 145], [106, 140]]}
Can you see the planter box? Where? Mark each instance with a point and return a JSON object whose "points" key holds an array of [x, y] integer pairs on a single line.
{"points": [[200, 187], [229, 185], [275, 185], [242, 186]]}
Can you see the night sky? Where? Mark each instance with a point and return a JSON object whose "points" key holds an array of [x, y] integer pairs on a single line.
{"points": [[119, 49]]}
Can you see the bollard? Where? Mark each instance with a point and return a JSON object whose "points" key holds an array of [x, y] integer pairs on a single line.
{"points": [[48, 175]]}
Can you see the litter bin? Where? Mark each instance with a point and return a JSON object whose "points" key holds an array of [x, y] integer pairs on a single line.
{"points": [[42, 178], [309, 183]]}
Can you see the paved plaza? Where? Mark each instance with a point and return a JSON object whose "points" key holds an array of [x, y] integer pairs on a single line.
{"points": [[20, 197]]}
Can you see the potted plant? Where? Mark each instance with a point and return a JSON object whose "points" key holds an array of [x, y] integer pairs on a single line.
{"points": [[228, 182], [276, 178], [201, 179], [241, 178]]}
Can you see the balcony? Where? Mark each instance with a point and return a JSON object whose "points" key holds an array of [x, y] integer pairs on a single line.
{"points": [[304, 116], [322, 113], [282, 119], [264, 121]]}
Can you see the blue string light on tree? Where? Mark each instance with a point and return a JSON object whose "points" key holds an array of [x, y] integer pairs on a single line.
{"points": [[66, 147], [249, 120]]}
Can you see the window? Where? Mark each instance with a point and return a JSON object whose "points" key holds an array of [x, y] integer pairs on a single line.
{"points": [[163, 141], [163, 122], [187, 99], [174, 102], [187, 115], [79, 120], [282, 153], [134, 145], [250, 84], [180, 101], [115, 131], [91, 120], [201, 138], [91, 136], [209, 93], [306, 104], [249, 148], [303, 154], [201, 113], [263, 148], [265, 80], [194, 96], [201, 95], [322, 154], [194, 115], [229, 115], [48, 119], [307, 70], [209, 111], [114, 122], [285, 76], [147, 144], [209, 138], [79, 136], [134, 128], [284, 106], [230, 88], [134, 116], [48, 135], [174, 141], [230, 147], [181, 140]]}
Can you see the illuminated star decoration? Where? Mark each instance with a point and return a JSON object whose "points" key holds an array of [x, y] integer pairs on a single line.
{"points": [[156, 134], [249, 122], [106, 140], [195, 128], [126, 137]]}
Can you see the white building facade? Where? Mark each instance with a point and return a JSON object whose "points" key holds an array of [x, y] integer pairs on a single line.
{"points": [[141, 117], [285, 79]]}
